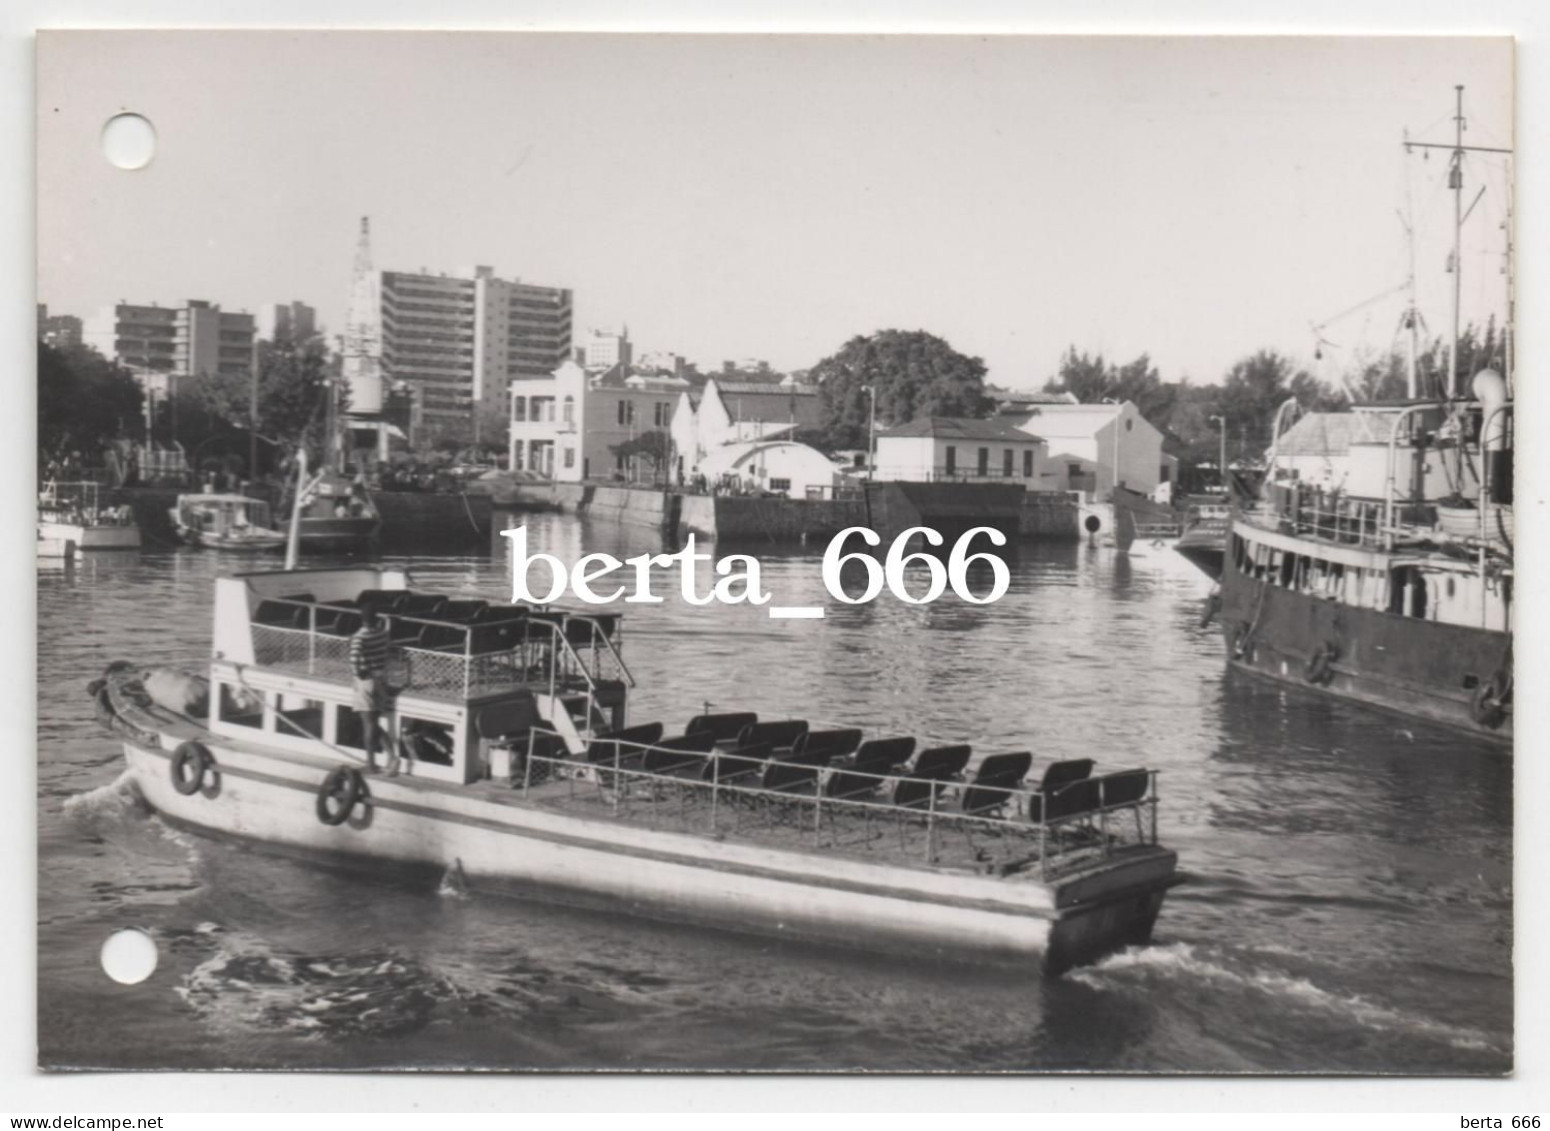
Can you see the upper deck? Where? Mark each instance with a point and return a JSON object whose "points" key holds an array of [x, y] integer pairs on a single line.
{"points": [[300, 622]]}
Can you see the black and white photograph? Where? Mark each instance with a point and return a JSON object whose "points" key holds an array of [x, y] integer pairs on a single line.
{"points": [[602, 552]]}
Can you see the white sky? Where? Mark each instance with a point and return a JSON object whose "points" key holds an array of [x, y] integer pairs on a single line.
{"points": [[771, 197]]}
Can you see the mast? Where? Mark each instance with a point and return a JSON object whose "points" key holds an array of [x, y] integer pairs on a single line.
{"points": [[1456, 153], [1456, 183]]}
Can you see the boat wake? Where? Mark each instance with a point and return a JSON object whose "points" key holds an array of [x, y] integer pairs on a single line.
{"points": [[114, 803], [1166, 966]]}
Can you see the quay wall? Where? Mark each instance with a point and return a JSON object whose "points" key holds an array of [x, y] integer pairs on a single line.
{"points": [[738, 518], [1049, 515], [423, 518]]}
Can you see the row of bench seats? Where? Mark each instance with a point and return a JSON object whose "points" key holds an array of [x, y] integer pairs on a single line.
{"points": [[430, 621], [787, 756]]}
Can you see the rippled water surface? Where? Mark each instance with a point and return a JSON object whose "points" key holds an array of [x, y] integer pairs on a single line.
{"points": [[1348, 906]]}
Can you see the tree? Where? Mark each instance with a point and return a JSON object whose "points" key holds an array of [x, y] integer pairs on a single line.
{"points": [[654, 447], [1093, 381], [294, 376], [85, 402], [913, 374]]}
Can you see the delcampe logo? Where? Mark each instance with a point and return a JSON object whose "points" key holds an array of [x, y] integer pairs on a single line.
{"points": [[738, 575]]}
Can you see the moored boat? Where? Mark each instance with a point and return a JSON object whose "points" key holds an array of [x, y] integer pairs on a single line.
{"points": [[74, 514], [1379, 592], [520, 767], [225, 522], [1203, 540], [337, 515]]}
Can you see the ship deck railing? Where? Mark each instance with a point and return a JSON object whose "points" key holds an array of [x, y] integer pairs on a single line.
{"points": [[536, 649], [1027, 836]]}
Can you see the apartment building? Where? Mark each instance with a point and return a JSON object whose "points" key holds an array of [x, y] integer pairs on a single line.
{"points": [[459, 342]]}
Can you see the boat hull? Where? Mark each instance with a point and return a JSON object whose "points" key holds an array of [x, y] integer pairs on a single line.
{"points": [[1419, 668], [497, 841], [338, 533], [91, 537]]}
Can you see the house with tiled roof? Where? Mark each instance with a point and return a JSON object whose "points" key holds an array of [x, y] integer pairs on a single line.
{"points": [[962, 449]]}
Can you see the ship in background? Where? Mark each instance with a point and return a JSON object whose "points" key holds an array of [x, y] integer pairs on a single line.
{"points": [[1394, 588]]}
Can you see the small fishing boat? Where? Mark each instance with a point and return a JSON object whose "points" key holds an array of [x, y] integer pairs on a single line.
{"points": [[226, 522], [73, 514], [337, 515], [1203, 541], [519, 768]]}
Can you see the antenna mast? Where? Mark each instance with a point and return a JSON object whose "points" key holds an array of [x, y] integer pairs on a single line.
{"points": [[1456, 183]]}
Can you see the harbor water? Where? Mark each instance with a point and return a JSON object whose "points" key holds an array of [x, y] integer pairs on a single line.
{"points": [[1348, 904]]}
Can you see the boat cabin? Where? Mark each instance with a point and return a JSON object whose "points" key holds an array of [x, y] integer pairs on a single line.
{"points": [[223, 516], [467, 675]]}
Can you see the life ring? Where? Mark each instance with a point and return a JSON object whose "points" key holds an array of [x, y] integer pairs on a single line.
{"points": [[1321, 665], [1488, 705], [340, 792], [190, 762]]}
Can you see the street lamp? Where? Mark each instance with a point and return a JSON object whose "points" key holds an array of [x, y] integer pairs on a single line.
{"points": [[1221, 468], [871, 432]]}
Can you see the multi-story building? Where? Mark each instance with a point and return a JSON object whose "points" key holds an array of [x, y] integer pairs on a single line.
{"points": [[460, 342], [59, 329], [197, 338], [566, 426], [294, 320], [605, 349]]}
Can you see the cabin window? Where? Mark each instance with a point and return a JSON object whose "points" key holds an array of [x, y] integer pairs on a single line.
{"points": [[241, 707], [1288, 570], [424, 741], [348, 729], [296, 716]]}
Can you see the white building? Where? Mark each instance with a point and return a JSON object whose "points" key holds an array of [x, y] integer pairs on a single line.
{"points": [[781, 467], [566, 426], [728, 412], [940, 448], [1088, 442]]}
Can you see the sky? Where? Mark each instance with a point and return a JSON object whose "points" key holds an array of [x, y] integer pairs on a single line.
{"points": [[773, 196]]}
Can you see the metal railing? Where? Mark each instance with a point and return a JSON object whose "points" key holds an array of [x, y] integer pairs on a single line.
{"points": [[542, 656], [937, 834]]}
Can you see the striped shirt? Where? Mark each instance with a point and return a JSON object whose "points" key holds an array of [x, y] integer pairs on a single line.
{"points": [[369, 651]]}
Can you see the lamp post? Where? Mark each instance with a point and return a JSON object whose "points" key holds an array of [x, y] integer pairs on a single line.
{"points": [[871, 432], [1221, 468]]}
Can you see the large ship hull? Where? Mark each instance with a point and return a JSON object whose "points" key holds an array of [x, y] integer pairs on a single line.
{"points": [[1419, 668]]}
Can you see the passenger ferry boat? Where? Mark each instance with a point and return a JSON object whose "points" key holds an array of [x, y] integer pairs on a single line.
{"points": [[1396, 591], [226, 522], [520, 767], [72, 515]]}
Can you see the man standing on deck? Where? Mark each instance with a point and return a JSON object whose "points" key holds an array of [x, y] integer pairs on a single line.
{"points": [[368, 660]]}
